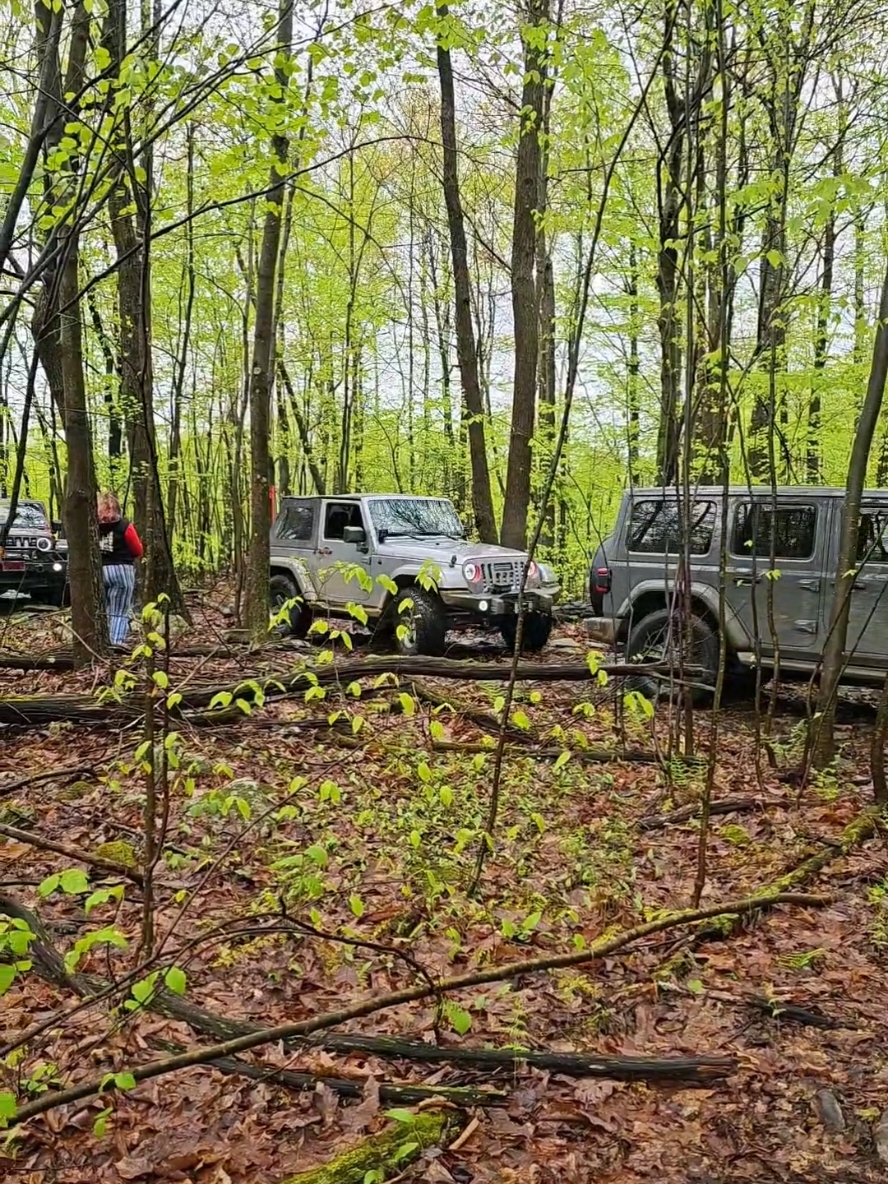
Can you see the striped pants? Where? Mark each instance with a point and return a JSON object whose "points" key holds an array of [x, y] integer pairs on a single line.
{"points": [[120, 587]]}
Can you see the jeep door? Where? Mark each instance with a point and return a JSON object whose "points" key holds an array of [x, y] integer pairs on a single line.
{"points": [[797, 583], [339, 562], [867, 643]]}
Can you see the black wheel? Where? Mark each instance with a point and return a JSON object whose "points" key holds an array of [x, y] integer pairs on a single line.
{"points": [[422, 625], [280, 590], [534, 636], [656, 638]]}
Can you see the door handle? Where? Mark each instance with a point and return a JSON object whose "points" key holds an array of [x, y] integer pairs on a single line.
{"points": [[325, 551], [742, 579], [810, 585]]}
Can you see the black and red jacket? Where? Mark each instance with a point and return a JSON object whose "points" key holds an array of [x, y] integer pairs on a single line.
{"points": [[119, 543]]}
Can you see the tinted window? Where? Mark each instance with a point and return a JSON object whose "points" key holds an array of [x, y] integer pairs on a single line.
{"points": [[338, 516], [872, 544], [296, 521], [656, 527], [792, 528]]}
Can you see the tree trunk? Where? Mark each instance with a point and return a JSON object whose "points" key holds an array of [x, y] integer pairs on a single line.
{"points": [[833, 651], [88, 621], [262, 370], [132, 236], [467, 353], [525, 304], [671, 202]]}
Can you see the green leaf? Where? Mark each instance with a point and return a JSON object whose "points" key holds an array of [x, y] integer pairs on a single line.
{"points": [[520, 720], [408, 706], [74, 882], [459, 1018], [425, 773], [49, 885], [561, 760], [405, 1116], [8, 1105], [124, 1081], [356, 905], [175, 980], [7, 975]]}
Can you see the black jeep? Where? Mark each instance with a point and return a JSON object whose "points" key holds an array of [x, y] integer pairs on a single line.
{"points": [[29, 561]]}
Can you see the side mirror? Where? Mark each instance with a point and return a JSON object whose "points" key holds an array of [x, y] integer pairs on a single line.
{"points": [[355, 535]]}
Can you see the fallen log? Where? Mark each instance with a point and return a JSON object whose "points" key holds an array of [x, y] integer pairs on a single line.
{"points": [[719, 806], [49, 964], [48, 775], [634, 756], [391, 1093], [28, 711], [596, 950], [615, 1068], [390, 1151], [109, 866]]}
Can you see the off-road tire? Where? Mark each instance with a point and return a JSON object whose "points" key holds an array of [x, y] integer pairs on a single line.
{"points": [[280, 590], [534, 636], [648, 637], [427, 620]]}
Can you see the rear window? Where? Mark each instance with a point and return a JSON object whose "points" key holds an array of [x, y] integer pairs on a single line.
{"points": [[296, 521], [655, 527], [872, 540], [792, 527]]}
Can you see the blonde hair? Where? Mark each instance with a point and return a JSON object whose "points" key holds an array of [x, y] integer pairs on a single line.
{"points": [[108, 507]]}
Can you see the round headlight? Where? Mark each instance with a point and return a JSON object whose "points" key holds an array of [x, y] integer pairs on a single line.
{"points": [[532, 570], [44, 544], [472, 572]]}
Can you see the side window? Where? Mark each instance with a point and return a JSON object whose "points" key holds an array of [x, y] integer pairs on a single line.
{"points": [[872, 537], [296, 522], [655, 528], [793, 529], [339, 515]]}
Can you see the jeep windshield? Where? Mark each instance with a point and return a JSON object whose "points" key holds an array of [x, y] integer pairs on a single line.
{"points": [[415, 517], [28, 515]]}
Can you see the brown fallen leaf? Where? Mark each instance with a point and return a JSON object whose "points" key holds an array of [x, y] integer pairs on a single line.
{"points": [[133, 1169]]}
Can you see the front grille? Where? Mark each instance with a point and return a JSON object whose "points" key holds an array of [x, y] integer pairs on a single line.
{"points": [[502, 575]]}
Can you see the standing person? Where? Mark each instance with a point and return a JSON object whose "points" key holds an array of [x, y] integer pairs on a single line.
{"points": [[121, 547]]}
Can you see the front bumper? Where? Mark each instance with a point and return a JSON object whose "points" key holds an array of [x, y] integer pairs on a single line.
{"points": [[503, 604], [602, 629], [23, 576]]}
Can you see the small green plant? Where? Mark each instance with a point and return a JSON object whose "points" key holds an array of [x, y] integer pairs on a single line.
{"points": [[803, 960]]}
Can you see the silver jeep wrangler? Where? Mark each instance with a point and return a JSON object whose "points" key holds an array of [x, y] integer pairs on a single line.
{"points": [[378, 552]]}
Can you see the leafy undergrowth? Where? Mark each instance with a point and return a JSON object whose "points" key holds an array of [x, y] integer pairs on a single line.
{"points": [[353, 814]]}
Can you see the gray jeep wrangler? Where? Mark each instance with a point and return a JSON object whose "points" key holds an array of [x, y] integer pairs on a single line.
{"points": [[781, 553], [378, 552]]}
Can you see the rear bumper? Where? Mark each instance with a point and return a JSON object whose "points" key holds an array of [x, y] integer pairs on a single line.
{"points": [[602, 629]]}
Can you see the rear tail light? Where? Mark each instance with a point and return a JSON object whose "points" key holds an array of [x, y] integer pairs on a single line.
{"points": [[602, 580], [12, 565]]}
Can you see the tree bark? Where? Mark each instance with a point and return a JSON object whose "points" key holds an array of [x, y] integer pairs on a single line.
{"points": [[525, 302], [466, 348], [88, 621], [262, 370], [129, 204]]}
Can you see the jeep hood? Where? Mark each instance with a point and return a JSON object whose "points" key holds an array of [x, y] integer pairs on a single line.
{"points": [[440, 550]]}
